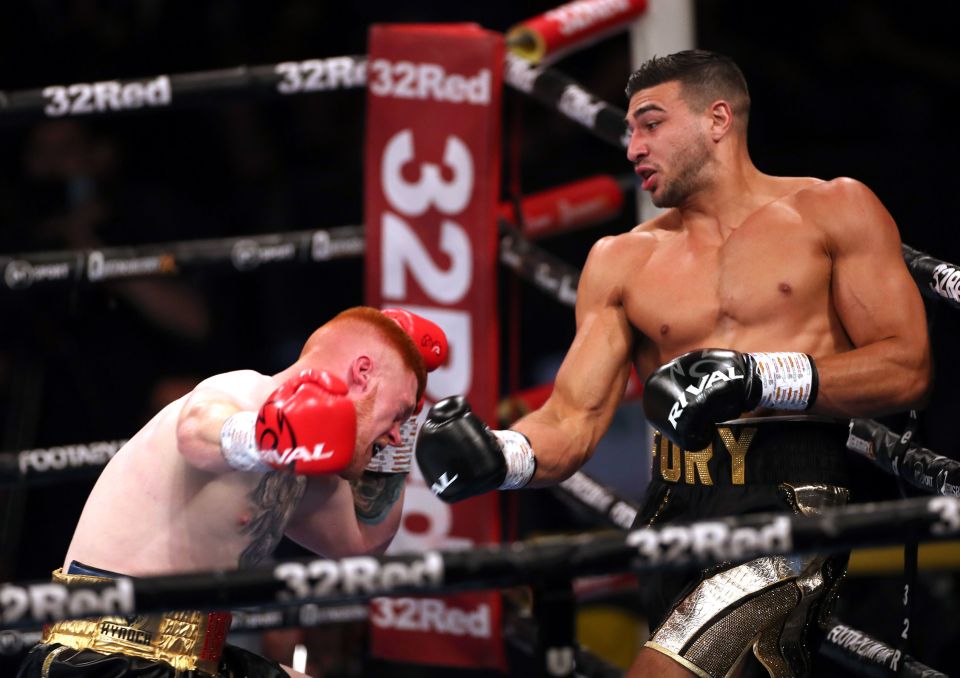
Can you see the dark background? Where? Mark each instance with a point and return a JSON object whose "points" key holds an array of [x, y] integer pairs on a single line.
{"points": [[862, 89]]}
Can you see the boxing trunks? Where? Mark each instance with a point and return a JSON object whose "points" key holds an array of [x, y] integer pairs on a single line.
{"points": [[182, 644], [707, 620]]}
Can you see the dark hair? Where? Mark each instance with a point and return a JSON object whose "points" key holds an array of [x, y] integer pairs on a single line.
{"points": [[704, 77]]}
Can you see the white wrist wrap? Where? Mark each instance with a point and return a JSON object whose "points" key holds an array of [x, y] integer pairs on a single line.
{"points": [[787, 380], [238, 442], [392, 459], [521, 463]]}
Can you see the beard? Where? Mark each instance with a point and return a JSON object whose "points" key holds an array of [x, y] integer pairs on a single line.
{"points": [[690, 162], [364, 409]]}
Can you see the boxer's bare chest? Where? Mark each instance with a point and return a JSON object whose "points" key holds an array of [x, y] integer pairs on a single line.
{"points": [[765, 282]]}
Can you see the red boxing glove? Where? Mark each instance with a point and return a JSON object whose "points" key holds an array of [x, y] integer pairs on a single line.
{"points": [[309, 423], [429, 338]]}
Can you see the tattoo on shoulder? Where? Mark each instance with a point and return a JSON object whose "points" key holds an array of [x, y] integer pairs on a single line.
{"points": [[374, 494], [272, 502]]}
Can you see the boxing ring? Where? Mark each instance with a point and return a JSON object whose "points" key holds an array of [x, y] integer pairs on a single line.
{"points": [[309, 592]]}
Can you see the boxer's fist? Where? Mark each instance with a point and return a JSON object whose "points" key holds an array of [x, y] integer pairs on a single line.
{"points": [[309, 421], [460, 456], [308, 424], [429, 338], [687, 396]]}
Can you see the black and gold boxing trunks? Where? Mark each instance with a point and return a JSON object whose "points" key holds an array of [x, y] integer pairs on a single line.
{"points": [[181, 644], [707, 620]]}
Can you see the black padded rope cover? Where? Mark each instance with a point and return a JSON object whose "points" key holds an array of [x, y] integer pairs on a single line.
{"points": [[158, 92], [919, 467], [335, 582]]}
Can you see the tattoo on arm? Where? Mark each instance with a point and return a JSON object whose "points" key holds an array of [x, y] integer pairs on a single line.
{"points": [[375, 494], [272, 503]]}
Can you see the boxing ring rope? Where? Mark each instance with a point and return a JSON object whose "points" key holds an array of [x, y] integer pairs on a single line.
{"points": [[562, 30], [920, 467], [323, 582], [547, 85], [245, 253], [938, 280], [864, 655], [199, 87], [571, 27], [568, 206], [566, 96], [916, 465]]}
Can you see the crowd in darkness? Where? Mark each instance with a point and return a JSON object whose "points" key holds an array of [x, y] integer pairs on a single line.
{"points": [[868, 91]]}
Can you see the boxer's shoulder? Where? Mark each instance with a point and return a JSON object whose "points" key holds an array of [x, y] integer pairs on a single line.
{"points": [[656, 229], [814, 196], [239, 384], [846, 212], [613, 251], [235, 378]]}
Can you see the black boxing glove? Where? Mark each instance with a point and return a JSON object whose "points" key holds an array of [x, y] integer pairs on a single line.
{"points": [[461, 457], [686, 397]]}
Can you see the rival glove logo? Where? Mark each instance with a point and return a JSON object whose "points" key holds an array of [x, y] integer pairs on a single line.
{"points": [[294, 454], [706, 382], [443, 483]]}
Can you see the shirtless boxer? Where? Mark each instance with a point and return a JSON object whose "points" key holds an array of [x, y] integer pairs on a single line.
{"points": [[219, 476], [803, 283]]}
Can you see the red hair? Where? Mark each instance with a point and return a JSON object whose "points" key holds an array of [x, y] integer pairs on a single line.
{"points": [[389, 330]]}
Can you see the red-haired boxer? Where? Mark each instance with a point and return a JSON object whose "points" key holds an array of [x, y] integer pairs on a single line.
{"points": [[219, 476], [782, 298]]}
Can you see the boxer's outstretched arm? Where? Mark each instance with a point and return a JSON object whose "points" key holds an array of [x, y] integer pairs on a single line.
{"points": [[208, 406], [878, 304], [590, 383]]}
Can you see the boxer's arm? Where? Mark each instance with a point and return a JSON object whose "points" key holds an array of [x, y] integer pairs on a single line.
{"points": [[337, 518], [208, 406], [589, 386], [879, 306], [377, 505]]}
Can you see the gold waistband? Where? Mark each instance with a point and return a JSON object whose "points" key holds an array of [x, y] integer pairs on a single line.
{"points": [[186, 640]]}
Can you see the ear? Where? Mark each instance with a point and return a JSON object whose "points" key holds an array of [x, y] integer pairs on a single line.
{"points": [[361, 369], [721, 119]]}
